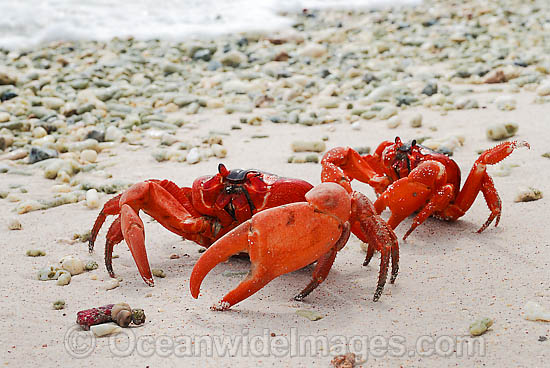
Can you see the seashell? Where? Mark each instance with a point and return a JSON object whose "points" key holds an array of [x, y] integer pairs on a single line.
{"points": [[105, 329], [536, 312]]}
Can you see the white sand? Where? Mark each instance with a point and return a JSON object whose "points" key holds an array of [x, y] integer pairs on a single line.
{"points": [[449, 275]]}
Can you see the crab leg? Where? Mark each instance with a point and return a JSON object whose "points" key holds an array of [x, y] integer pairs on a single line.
{"points": [[343, 164], [161, 200], [373, 230], [478, 180], [324, 264], [409, 194]]}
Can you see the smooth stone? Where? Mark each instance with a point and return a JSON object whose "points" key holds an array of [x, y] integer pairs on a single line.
{"points": [[40, 154], [544, 89], [233, 58], [501, 131], [387, 112], [505, 103], [430, 89], [88, 155], [113, 134], [92, 199], [4, 116], [312, 50], [193, 156]]}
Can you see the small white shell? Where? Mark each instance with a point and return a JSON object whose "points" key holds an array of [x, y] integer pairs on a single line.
{"points": [[536, 312], [105, 329]]}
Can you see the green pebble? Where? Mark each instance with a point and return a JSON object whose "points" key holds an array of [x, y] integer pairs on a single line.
{"points": [[234, 273], [84, 237], [157, 272], [546, 155], [311, 315], [59, 304], [479, 327], [91, 265], [35, 253]]}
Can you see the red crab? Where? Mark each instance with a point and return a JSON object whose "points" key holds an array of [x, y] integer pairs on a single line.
{"points": [[212, 207], [411, 178], [215, 205]]}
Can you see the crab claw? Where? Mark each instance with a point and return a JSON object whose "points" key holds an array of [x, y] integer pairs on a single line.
{"points": [[281, 240]]}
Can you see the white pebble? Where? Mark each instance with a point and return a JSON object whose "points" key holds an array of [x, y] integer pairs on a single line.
{"points": [[528, 194], [72, 264], [544, 89], [88, 155], [505, 103], [536, 312], [105, 329], [415, 121], [313, 50], [193, 156], [14, 224], [112, 284], [219, 150], [64, 279], [387, 112], [92, 198], [4, 116], [39, 132], [356, 126], [394, 122], [113, 134]]}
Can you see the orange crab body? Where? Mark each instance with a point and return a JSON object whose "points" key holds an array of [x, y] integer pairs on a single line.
{"points": [[411, 178]]}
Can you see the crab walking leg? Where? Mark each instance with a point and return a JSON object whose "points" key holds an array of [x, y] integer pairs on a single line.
{"points": [[112, 207], [409, 194], [493, 201], [324, 264], [342, 164], [478, 179], [279, 240], [134, 234], [373, 230], [114, 236], [439, 201], [156, 201]]}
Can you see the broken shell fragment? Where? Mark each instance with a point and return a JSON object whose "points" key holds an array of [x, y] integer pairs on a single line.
{"points": [[105, 329], [536, 312], [528, 194]]}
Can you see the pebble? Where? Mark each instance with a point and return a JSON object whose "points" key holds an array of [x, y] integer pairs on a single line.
{"points": [[501, 131], [311, 315], [544, 89], [88, 155], [193, 156], [4, 116], [64, 279], [35, 253], [14, 224], [157, 272], [313, 50], [113, 134], [505, 103], [38, 154], [387, 112], [111, 284], [233, 58], [105, 329], [536, 312], [415, 120], [528, 194], [219, 150], [91, 265], [58, 304], [308, 146], [72, 264], [92, 199], [48, 273], [394, 122], [481, 326]]}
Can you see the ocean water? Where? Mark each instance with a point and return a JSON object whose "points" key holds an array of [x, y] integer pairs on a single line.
{"points": [[25, 23]]}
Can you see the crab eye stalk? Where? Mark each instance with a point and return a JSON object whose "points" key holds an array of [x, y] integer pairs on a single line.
{"points": [[223, 170]]}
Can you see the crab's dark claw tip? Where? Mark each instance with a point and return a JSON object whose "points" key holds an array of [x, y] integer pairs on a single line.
{"points": [[90, 246], [223, 170], [413, 143]]}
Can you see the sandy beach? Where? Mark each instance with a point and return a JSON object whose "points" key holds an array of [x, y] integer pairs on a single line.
{"points": [[148, 109]]}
